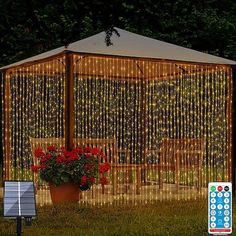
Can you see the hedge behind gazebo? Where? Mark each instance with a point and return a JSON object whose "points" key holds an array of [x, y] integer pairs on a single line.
{"points": [[139, 91]]}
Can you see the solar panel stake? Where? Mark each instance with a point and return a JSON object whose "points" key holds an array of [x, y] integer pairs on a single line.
{"points": [[19, 203], [18, 226], [28, 221]]}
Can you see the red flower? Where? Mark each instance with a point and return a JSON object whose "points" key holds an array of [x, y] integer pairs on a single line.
{"points": [[87, 150], [104, 167], [78, 150], [70, 159], [92, 179], [35, 168], [89, 166], [51, 148], [46, 158], [88, 155], [95, 151], [60, 159], [103, 180], [83, 180], [38, 152], [43, 166], [66, 153], [73, 155]]}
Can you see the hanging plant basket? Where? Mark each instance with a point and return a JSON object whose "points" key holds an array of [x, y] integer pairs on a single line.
{"points": [[67, 192]]}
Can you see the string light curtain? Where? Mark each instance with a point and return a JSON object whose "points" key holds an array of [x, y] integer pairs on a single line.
{"points": [[36, 110], [138, 103]]}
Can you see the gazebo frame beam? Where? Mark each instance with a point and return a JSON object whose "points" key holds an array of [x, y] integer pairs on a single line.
{"points": [[69, 102]]}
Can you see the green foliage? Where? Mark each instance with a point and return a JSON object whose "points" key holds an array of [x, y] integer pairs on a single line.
{"points": [[29, 27]]}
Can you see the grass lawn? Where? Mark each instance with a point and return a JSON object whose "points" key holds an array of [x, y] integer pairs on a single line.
{"points": [[161, 218]]}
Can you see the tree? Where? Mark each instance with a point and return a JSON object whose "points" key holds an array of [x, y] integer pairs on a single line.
{"points": [[29, 27]]}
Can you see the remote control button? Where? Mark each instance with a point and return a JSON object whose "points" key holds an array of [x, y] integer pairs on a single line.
{"points": [[213, 194], [219, 221], [213, 225], [219, 188], [226, 206], [226, 194], [213, 200], [213, 212], [226, 188], [213, 206], [220, 194], [226, 212], [226, 200], [226, 225], [213, 218], [213, 188], [220, 206], [226, 218], [219, 213]]}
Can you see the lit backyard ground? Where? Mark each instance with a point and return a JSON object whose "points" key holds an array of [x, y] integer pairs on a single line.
{"points": [[127, 194], [159, 218]]}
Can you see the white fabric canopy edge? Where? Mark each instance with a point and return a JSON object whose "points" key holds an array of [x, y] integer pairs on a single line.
{"points": [[130, 45]]}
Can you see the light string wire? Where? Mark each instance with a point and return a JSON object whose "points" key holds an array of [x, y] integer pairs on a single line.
{"points": [[181, 102]]}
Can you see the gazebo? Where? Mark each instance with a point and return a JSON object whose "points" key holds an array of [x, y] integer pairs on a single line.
{"points": [[168, 110]]}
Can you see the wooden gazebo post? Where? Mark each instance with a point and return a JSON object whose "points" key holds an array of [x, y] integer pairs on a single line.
{"points": [[69, 102], [6, 133]]}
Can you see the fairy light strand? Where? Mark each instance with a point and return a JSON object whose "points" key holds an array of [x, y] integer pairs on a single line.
{"points": [[182, 101]]}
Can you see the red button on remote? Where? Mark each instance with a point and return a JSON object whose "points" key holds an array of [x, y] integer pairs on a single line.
{"points": [[219, 188]]}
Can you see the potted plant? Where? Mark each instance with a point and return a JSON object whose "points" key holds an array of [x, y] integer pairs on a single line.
{"points": [[70, 172]]}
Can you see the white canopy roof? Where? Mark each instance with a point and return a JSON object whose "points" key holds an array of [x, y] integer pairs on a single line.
{"points": [[131, 45]]}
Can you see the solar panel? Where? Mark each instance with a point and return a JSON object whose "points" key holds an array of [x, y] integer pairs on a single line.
{"points": [[19, 199]]}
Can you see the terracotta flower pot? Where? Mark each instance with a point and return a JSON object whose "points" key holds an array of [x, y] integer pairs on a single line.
{"points": [[67, 192]]}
